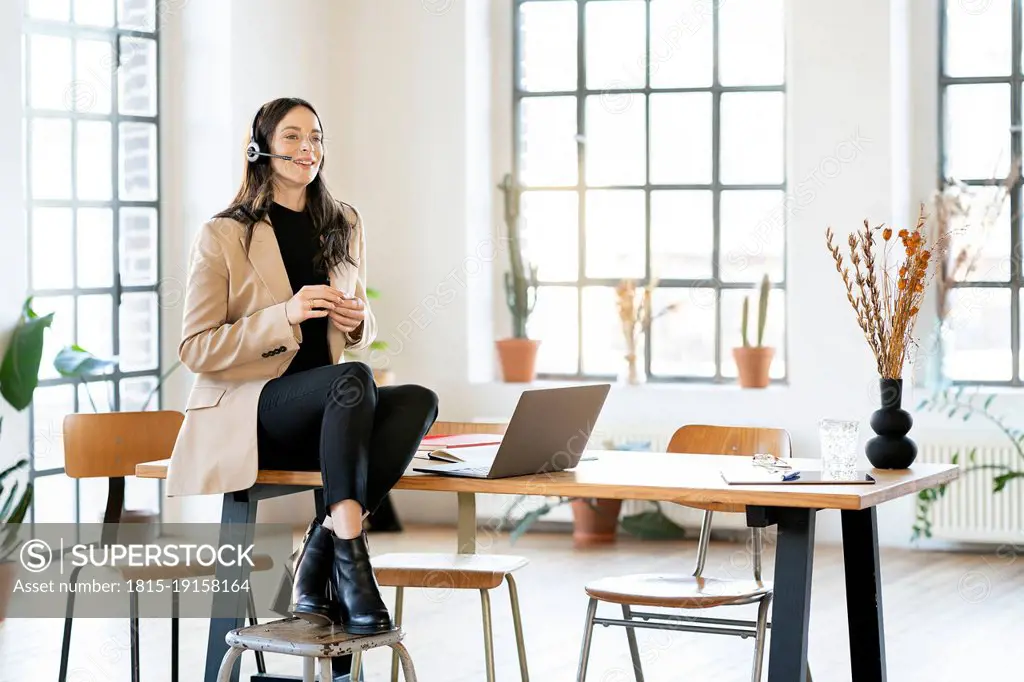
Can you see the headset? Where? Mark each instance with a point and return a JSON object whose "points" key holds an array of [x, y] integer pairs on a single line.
{"points": [[252, 150]]}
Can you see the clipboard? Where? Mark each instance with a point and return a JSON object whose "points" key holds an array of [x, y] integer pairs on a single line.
{"points": [[760, 476]]}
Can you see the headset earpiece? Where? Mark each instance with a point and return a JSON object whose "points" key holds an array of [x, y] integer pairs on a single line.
{"points": [[252, 150]]}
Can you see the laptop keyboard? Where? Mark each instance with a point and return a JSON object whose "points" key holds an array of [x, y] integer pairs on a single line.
{"points": [[476, 471]]}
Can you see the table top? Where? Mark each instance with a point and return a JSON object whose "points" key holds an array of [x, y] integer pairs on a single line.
{"points": [[669, 477]]}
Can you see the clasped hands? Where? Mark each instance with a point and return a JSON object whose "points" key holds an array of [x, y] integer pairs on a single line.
{"points": [[346, 312]]}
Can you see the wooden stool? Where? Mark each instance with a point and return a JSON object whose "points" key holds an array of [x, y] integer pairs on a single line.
{"points": [[296, 637]]}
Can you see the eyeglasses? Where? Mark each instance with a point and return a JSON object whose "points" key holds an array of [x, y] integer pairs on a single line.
{"points": [[771, 462]]}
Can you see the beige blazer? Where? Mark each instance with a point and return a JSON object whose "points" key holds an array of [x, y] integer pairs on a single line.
{"points": [[235, 338]]}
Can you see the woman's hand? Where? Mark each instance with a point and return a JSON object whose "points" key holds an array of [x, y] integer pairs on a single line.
{"points": [[312, 300], [348, 316]]}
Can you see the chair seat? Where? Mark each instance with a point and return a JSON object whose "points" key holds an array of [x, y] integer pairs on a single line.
{"points": [[449, 571], [261, 562], [680, 591], [297, 637]]}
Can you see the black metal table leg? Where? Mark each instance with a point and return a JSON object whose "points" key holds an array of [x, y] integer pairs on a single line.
{"points": [[238, 519], [791, 608], [864, 595]]}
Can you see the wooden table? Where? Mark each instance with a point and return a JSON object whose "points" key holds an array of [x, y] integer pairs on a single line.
{"points": [[675, 478]]}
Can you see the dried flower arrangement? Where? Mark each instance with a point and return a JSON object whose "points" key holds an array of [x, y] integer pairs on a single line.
{"points": [[886, 295], [962, 209], [635, 317]]}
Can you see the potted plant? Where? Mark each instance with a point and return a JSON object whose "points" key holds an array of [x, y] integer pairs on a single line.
{"points": [[754, 362], [518, 354], [635, 318], [19, 376]]}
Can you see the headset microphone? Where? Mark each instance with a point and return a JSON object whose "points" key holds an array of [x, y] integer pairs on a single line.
{"points": [[252, 150]]}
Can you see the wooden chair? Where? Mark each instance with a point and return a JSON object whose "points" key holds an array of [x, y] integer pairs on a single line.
{"points": [[694, 591], [482, 572], [109, 445], [322, 644]]}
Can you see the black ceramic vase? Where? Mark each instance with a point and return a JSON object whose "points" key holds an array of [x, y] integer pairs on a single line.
{"points": [[891, 449]]}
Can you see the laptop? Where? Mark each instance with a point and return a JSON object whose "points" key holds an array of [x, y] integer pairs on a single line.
{"points": [[549, 431]]}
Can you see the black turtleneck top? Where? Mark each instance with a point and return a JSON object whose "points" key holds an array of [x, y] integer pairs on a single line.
{"points": [[297, 241]]}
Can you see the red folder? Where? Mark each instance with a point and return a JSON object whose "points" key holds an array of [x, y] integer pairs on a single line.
{"points": [[459, 441]]}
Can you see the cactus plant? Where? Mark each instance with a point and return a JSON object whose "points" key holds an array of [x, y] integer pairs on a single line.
{"points": [[762, 313], [521, 278]]}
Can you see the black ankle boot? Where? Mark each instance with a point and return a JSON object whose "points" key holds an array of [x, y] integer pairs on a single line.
{"points": [[359, 604], [312, 572]]}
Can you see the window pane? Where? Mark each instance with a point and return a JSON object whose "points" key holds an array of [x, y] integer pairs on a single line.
{"points": [[95, 396], [95, 247], [51, 248], [615, 233], [683, 341], [615, 149], [977, 131], [136, 77], [681, 43], [54, 499], [138, 161], [138, 246], [50, 71], [983, 236], [681, 138], [136, 391], [93, 82], [51, 159], [96, 324], [548, 129], [139, 334], [753, 132], [682, 234], [61, 333], [92, 498], [978, 348], [136, 14], [751, 45], [550, 223], [49, 406], [54, 10], [142, 494], [978, 38], [94, 162], [604, 347], [615, 44], [547, 34], [554, 323], [732, 319], [752, 235], [94, 12]]}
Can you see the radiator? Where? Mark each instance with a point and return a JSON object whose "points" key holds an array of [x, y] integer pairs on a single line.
{"points": [[969, 511]]}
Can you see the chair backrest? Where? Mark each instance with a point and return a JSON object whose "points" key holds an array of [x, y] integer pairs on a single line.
{"points": [[460, 428], [741, 441], [109, 445], [744, 441]]}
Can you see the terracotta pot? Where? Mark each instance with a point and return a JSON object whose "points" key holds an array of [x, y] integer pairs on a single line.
{"points": [[594, 526], [753, 364], [518, 359], [384, 377], [8, 574]]}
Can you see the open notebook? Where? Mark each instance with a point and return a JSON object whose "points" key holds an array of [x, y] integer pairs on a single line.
{"points": [[482, 454]]}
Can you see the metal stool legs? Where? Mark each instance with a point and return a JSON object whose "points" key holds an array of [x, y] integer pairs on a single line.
{"points": [[485, 606], [634, 653], [759, 637], [588, 633], [227, 663], [517, 623], [399, 601]]}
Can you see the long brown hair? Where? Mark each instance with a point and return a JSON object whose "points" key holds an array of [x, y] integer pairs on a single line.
{"points": [[256, 193]]}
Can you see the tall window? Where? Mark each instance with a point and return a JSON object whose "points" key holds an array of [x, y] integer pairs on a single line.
{"points": [[92, 210], [980, 90], [649, 141]]}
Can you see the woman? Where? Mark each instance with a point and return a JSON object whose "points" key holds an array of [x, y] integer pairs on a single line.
{"points": [[276, 294]]}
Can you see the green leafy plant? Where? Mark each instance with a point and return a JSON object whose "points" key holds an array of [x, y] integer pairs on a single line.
{"points": [[374, 294], [77, 363], [762, 312], [521, 278], [12, 510], [956, 405]]}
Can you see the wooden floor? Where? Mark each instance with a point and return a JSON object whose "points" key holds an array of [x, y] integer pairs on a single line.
{"points": [[948, 616]]}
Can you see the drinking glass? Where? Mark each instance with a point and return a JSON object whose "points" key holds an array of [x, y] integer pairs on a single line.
{"points": [[838, 447]]}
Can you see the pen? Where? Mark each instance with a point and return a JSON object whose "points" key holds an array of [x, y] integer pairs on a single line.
{"points": [[792, 476]]}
